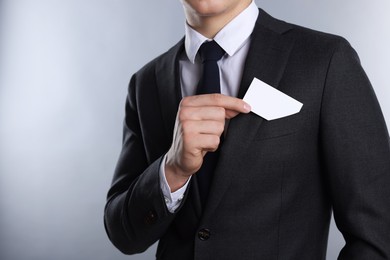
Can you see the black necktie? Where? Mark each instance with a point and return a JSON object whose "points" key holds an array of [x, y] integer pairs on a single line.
{"points": [[210, 53]]}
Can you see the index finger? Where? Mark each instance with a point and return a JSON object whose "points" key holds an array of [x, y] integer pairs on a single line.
{"points": [[217, 100]]}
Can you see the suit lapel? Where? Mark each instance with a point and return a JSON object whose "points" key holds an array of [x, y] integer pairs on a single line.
{"points": [[168, 85], [169, 91], [267, 58]]}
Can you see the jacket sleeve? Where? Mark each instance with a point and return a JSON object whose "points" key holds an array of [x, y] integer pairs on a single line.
{"points": [[356, 151], [135, 214]]}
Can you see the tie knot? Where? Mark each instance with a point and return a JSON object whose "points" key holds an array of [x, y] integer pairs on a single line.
{"points": [[210, 51]]}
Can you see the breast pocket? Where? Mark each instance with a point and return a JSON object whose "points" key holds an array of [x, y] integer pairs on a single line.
{"points": [[280, 127]]}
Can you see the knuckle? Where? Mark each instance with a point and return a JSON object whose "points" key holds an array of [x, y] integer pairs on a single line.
{"points": [[221, 128], [221, 112], [183, 114], [217, 98], [188, 113], [215, 141], [185, 102]]}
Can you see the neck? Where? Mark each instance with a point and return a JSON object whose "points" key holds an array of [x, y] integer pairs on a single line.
{"points": [[210, 24]]}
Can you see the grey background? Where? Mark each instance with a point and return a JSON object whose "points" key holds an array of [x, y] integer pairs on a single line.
{"points": [[64, 69]]}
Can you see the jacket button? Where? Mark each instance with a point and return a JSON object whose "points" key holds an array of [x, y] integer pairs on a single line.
{"points": [[151, 218], [204, 234]]}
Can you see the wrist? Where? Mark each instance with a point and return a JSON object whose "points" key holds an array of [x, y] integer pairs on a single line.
{"points": [[175, 177]]}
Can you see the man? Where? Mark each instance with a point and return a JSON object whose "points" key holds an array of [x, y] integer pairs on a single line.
{"points": [[275, 182]]}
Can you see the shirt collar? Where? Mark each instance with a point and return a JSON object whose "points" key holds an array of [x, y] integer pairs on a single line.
{"points": [[230, 38]]}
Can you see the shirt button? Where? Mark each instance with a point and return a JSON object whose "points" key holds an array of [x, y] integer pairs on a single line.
{"points": [[204, 234]]}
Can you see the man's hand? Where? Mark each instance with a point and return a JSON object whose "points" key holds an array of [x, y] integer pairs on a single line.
{"points": [[199, 124]]}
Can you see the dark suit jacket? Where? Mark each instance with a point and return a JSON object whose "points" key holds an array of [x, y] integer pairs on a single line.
{"points": [[276, 181]]}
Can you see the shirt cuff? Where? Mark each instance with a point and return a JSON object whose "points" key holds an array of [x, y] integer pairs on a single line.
{"points": [[172, 199]]}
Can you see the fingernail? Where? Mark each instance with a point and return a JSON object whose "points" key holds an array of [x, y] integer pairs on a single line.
{"points": [[247, 107]]}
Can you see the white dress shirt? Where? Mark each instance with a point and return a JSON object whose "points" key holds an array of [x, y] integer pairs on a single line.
{"points": [[234, 38]]}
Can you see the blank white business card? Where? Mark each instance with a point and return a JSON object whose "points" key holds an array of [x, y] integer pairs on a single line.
{"points": [[270, 103]]}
